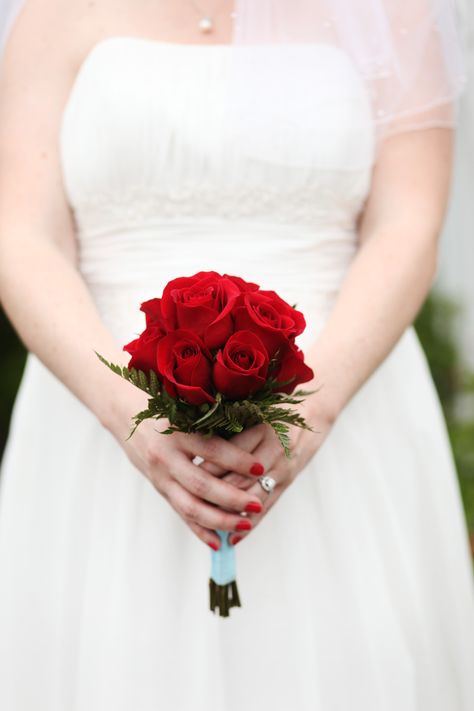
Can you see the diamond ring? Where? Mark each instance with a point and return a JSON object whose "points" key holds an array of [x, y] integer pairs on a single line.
{"points": [[267, 483], [197, 460]]}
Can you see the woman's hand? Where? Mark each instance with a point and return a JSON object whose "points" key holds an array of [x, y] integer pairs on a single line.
{"points": [[262, 442], [204, 501]]}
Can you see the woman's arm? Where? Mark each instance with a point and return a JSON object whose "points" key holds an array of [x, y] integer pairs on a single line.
{"points": [[40, 287], [43, 292], [394, 268], [384, 288]]}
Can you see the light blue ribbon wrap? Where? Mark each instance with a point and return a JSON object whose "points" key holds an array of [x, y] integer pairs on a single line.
{"points": [[223, 561]]}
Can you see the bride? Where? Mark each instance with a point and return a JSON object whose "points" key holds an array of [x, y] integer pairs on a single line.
{"points": [[303, 145]]}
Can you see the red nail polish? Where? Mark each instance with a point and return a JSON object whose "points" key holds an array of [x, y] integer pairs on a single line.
{"points": [[214, 546], [253, 507], [244, 525], [234, 540], [257, 469]]}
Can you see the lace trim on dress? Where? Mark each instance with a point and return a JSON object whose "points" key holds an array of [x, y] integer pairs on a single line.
{"points": [[319, 202]]}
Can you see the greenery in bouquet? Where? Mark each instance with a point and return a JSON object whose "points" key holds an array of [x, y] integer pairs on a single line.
{"points": [[218, 355]]}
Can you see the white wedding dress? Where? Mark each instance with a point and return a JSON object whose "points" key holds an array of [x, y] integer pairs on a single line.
{"points": [[357, 587]]}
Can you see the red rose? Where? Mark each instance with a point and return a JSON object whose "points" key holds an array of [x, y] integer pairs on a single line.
{"points": [[242, 284], [202, 304], [291, 364], [241, 367], [266, 314], [185, 366], [143, 349], [153, 313]]}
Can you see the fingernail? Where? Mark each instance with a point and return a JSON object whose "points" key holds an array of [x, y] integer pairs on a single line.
{"points": [[244, 525], [234, 540], [254, 507], [214, 546], [257, 469]]}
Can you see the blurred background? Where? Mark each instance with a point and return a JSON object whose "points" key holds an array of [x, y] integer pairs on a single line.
{"points": [[445, 325]]}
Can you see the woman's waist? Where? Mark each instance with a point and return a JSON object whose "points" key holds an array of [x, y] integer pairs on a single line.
{"points": [[274, 255], [305, 268]]}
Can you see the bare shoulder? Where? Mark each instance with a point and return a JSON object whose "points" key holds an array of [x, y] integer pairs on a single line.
{"points": [[46, 47], [52, 33], [39, 65], [43, 51]]}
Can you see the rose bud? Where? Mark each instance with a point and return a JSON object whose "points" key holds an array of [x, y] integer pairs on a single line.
{"points": [[153, 313], [291, 365], [242, 284], [185, 366], [241, 367], [266, 314], [143, 349]]}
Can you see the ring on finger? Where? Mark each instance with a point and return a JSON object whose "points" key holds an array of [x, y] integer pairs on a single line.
{"points": [[197, 460], [267, 483]]}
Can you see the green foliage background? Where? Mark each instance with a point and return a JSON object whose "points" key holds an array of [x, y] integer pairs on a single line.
{"points": [[12, 360], [436, 327]]}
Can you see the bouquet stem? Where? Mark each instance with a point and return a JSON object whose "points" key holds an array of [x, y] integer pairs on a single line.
{"points": [[223, 592], [223, 597]]}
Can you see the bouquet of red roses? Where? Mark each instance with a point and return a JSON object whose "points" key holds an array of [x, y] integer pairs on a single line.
{"points": [[218, 355]]}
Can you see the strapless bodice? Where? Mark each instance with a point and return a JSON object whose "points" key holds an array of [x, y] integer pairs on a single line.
{"points": [[160, 187]]}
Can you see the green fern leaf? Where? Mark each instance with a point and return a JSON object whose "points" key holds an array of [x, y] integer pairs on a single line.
{"points": [[154, 383]]}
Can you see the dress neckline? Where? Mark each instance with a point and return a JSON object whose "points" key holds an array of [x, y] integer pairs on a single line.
{"points": [[145, 41], [111, 39], [176, 47], [166, 43], [180, 46], [159, 44]]}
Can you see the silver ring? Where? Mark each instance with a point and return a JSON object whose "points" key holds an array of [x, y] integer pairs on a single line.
{"points": [[197, 460], [267, 483]]}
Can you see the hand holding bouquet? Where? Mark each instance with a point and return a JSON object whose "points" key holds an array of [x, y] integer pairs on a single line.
{"points": [[217, 356]]}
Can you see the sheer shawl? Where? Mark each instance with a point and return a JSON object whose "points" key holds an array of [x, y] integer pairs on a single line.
{"points": [[407, 54]]}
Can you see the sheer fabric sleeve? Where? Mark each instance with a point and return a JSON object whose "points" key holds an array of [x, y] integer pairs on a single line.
{"points": [[407, 52]]}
